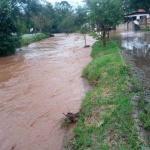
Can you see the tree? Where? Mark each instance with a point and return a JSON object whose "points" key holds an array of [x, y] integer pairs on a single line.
{"points": [[68, 24], [82, 21], [23, 12], [64, 16], [105, 14], [81, 16], [84, 30], [140, 4], [42, 20], [8, 42]]}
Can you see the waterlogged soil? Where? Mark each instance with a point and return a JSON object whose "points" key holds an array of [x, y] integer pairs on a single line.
{"points": [[38, 85], [137, 46]]}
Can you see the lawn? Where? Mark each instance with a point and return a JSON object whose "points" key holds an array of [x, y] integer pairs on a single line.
{"points": [[105, 121]]}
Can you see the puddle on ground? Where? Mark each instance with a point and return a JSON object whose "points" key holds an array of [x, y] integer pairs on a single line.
{"points": [[136, 44]]}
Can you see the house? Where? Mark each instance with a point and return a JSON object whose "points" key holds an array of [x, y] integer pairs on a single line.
{"points": [[141, 16]]}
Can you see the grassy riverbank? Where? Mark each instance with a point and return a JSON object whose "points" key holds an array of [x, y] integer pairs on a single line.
{"points": [[105, 120], [34, 38]]}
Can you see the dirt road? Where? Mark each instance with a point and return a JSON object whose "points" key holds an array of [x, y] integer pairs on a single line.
{"points": [[37, 85]]}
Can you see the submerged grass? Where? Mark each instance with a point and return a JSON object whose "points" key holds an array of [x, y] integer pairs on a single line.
{"points": [[105, 121]]}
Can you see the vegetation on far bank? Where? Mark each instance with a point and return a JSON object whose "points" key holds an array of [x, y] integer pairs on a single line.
{"points": [[105, 120], [33, 38], [18, 17]]}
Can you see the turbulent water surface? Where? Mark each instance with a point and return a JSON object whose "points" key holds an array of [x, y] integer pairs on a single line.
{"points": [[38, 85]]}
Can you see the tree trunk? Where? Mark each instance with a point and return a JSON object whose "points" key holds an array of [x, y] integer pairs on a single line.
{"points": [[108, 35], [104, 38], [85, 39], [127, 25], [104, 41]]}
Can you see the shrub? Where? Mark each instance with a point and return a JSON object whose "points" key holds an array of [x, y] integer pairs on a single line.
{"points": [[8, 41]]}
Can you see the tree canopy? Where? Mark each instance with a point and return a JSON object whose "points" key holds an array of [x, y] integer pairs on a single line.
{"points": [[105, 14], [8, 41], [140, 4], [19, 16]]}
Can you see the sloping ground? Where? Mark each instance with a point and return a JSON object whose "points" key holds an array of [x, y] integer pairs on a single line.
{"points": [[135, 48], [106, 120], [141, 103]]}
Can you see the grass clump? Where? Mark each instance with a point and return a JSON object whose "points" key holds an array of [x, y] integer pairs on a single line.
{"points": [[147, 29], [34, 38], [105, 120], [145, 115]]}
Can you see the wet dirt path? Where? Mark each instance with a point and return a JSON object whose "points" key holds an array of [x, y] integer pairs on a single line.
{"points": [[37, 86]]}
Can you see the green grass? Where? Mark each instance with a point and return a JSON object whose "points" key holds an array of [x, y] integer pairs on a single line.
{"points": [[94, 35], [105, 121], [145, 115], [147, 29], [34, 38]]}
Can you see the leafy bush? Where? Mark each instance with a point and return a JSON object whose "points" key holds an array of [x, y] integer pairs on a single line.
{"points": [[8, 44], [8, 41]]}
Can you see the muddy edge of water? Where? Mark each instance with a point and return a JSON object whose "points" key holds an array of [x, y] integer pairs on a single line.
{"points": [[37, 86], [136, 45], [135, 49]]}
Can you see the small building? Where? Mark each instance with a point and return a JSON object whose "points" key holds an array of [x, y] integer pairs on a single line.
{"points": [[144, 23], [141, 16]]}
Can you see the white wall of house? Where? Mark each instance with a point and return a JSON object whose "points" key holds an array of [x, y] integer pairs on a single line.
{"points": [[139, 15]]}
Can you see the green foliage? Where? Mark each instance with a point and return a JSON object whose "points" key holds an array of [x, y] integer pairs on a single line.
{"points": [[38, 37], [98, 47], [140, 4], [9, 42], [147, 29], [94, 35], [64, 17], [105, 120], [145, 114], [67, 24], [19, 16], [145, 118], [102, 18], [81, 16], [84, 29], [43, 20]]}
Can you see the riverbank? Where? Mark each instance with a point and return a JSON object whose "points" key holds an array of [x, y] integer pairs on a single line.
{"points": [[34, 38], [106, 120]]}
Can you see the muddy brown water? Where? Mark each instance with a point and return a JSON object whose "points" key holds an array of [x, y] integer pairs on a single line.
{"points": [[38, 85], [137, 45]]}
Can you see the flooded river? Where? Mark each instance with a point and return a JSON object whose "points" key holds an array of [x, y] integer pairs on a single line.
{"points": [[37, 86]]}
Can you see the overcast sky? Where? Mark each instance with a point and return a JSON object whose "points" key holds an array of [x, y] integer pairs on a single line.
{"points": [[71, 2]]}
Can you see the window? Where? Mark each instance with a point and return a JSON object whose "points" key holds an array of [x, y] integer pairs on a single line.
{"points": [[143, 19]]}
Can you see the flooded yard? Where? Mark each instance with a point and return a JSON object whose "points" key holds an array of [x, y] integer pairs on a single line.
{"points": [[136, 45], [38, 85]]}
